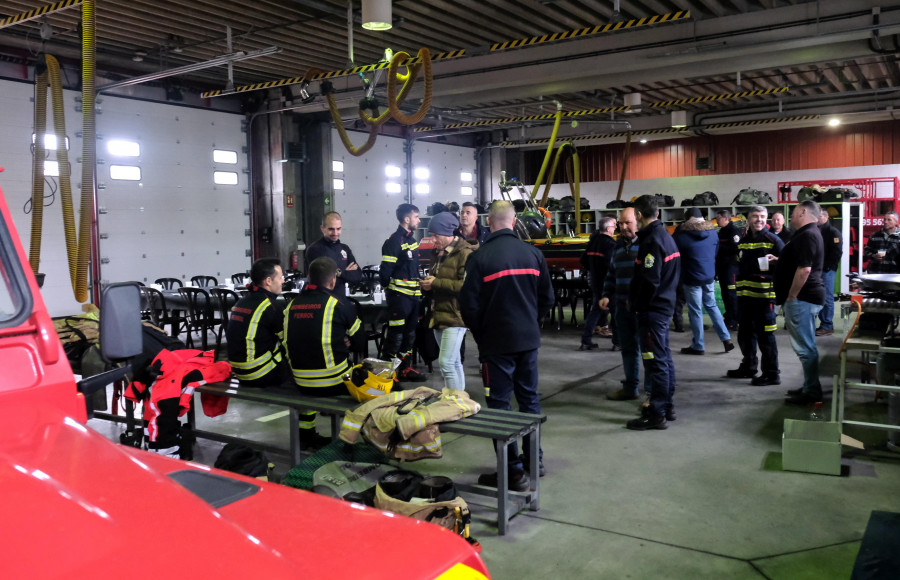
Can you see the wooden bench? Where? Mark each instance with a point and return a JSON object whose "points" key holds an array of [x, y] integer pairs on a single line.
{"points": [[503, 427]]}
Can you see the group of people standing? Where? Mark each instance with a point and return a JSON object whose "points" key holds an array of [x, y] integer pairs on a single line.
{"points": [[757, 272]]}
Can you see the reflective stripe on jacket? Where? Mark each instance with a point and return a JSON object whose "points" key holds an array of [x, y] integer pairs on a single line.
{"points": [[253, 335], [751, 281], [315, 324]]}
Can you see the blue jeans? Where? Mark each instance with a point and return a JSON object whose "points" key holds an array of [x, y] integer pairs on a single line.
{"points": [[595, 316], [450, 359], [659, 370], [627, 333], [827, 313], [800, 319], [705, 296], [505, 375]]}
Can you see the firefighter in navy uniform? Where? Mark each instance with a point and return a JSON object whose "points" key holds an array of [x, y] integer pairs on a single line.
{"points": [[321, 329], [657, 271], [399, 275], [756, 294], [727, 266], [330, 245], [254, 330]]}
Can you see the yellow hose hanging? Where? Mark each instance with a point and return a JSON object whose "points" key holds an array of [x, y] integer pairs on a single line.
{"points": [[77, 255], [394, 100], [89, 145], [540, 177], [574, 179]]}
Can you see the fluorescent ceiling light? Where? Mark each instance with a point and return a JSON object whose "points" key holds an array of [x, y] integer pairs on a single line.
{"points": [[834, 122], [679, 119]]}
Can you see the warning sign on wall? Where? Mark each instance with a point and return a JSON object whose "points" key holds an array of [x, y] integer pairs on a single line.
{"points": [[289, 200]]}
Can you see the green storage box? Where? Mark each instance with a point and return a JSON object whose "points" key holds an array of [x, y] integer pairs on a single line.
{"points": [[811, 446]]}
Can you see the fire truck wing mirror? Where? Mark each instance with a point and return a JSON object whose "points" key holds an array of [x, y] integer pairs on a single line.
{"points": [[121, 336]]}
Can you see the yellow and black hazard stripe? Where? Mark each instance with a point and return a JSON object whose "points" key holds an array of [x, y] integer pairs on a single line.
{"points": [[496, 47], [591, 137], [793, 119], [591, 30], [38, 12], [547, 116], [721, 97]]}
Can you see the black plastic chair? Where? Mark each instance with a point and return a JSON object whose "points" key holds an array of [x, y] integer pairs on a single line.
{"points": [[240, 279], [370, 325], [200, 315], [561, 293], [224, 300], [159, 314], [169, 283], [204, 281]]}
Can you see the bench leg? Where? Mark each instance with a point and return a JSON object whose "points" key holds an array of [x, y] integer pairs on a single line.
{"points": [[534, 443], [294, 426], [502, 487]]}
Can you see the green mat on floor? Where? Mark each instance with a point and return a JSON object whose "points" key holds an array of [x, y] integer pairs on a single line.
{"points": [[301, 475]]}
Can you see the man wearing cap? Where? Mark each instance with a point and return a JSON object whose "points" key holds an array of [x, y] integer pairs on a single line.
{"points": [[506, 292], [448, 271], [727, 267], [883, 248], [330, 245], [469, 226], [834, 249], [698, 243], [756, 293]]}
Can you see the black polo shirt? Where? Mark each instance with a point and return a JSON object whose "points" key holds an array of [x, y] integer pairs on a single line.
{"points": [[804, 250]]}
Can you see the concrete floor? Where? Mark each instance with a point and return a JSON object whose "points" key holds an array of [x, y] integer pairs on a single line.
{"points": [[705, 498]]}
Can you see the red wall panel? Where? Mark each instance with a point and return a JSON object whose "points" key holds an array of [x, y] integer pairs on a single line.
{"points": [[798, 149]]}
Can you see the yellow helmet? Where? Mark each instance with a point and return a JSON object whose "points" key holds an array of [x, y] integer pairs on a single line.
{"points": [[365, 385]]}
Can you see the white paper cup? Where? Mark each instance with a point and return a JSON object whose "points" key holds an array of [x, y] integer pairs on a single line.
{"points": [[763, 264], [576, 273], [378, 297], [881, 253], [568, 274]]}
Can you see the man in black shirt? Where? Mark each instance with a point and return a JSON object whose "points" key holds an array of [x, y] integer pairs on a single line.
{"points": [[727, 266], [798, 286], [834, 249], [330, 245]]}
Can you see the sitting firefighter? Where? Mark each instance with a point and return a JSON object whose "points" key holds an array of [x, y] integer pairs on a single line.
{"points": [[254, 330], [321, 329]]}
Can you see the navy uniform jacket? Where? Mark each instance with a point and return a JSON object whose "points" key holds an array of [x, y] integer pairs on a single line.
{"points": [[596, 259], [506, 293], [400, 263], [342, 256], [315, 324], [253, 335], [882, 240], [729, 236], [834, 247], [657, 270]]}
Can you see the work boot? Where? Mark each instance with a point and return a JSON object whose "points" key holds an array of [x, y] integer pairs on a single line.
{"points": [[312, 441], [542, 471], [588, 346], [765, 380], [516, 482], [621, 395], [729, 346], [741, 373], [647, 421]]}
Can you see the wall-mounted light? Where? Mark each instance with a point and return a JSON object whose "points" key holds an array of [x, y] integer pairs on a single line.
{"points": [[679, 119], [633, 100], [376, 14], [643, 141], [834, 122]]}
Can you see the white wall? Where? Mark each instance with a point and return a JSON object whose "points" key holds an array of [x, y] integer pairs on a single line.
{"points": [[368, 209], [174, 222]]}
